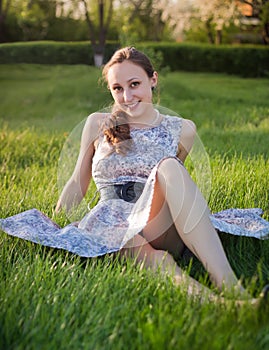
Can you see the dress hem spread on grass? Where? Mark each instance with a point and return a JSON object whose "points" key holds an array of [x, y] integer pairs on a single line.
{"points": [[112, 223], [32, 225]]}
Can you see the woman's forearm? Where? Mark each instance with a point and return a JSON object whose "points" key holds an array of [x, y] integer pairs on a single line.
{"points": [[71, 196]]}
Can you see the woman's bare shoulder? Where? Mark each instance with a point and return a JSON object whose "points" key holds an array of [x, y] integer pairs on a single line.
{"points": [[188, 128], [95, 121]]}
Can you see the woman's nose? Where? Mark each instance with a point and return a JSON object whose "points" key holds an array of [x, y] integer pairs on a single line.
{"points": [[127, 95]]}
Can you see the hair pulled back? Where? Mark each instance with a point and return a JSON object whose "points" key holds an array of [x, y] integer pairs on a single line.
{"points": [[130, 54], [117, 132], [116, 128]]}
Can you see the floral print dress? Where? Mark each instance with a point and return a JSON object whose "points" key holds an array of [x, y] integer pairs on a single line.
{"points": [[113, 222]]}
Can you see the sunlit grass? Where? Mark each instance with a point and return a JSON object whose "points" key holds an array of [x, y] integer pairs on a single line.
{"points": [[51, 299]]}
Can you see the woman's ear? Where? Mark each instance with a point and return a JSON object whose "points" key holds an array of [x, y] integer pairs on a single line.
{"points": [[154, 80]]}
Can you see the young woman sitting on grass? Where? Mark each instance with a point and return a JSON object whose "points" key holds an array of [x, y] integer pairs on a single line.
{"points": [[150, 209]]}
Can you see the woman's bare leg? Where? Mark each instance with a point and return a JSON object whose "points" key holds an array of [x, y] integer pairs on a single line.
{"points": [[155, 259], [191, 217]]}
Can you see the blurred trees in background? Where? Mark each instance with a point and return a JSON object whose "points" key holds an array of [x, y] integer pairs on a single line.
{"points": [[103, 12], [132, 21], [219, 21], [142, 20]]}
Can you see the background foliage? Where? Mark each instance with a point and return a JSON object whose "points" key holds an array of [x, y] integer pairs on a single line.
{"points": [[214, 21], [248, 61]]}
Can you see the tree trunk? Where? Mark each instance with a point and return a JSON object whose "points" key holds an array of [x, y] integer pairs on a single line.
{"points": [[98, 59], [3, 37], [3, 16], [209, 32], [98, 37], [218, 36], [265, 34]]}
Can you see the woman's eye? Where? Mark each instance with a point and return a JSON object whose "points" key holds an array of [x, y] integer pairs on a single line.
{"points": [[117, 88], [135, 83]]}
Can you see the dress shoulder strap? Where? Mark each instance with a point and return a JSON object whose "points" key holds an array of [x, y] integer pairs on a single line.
{"points": [[174, 125]]}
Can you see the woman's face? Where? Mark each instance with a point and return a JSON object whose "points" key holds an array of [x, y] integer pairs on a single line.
{"points": [[130, 86]]}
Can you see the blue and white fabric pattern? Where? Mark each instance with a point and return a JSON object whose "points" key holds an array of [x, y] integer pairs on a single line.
{"points": [[111, 223]]}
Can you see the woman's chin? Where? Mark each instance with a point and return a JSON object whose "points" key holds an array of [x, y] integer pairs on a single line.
{"points": [[136, 111]]}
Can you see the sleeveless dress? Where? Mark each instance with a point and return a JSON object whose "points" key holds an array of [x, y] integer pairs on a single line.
{"points": [[113, 222]]}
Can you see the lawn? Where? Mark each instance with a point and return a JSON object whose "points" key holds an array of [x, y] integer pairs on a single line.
{"points": [[52, 299]]}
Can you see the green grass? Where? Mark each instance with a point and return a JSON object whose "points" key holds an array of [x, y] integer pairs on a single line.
{"points": [[51, 299]]}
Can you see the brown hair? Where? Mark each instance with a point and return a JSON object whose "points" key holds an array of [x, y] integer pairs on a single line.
{"points": [[117, 129], [117, 132], [129, 54]]}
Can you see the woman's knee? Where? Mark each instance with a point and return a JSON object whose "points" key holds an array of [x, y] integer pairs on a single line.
{"points": [[169, 162], [170, 170]]}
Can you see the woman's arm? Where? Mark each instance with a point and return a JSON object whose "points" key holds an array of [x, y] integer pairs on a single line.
{"points": [[76, 187], [188, 133]]}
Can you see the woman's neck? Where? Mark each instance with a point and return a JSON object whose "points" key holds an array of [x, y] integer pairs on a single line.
{"points": [[149, 119]]}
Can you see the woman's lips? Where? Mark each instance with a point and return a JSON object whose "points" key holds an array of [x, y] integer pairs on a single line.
{"points": [[131, 105]]}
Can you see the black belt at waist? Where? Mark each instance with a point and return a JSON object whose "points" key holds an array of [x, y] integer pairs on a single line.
{"points": [[129, 191]]}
